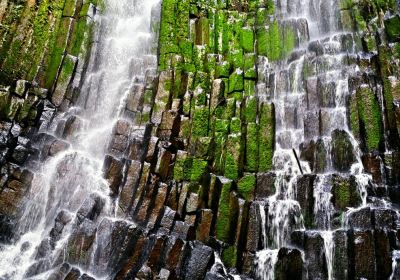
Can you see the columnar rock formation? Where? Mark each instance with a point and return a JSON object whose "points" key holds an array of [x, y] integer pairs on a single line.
{"points": [[264, 145]]}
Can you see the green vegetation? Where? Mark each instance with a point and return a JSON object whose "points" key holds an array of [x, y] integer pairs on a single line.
{"points": [[275, 43], [230, 256], [246, 186], [266, 137], [223, 225]]}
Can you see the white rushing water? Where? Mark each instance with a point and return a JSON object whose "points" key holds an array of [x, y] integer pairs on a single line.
{"points": [[122, 53], [303, 116]]}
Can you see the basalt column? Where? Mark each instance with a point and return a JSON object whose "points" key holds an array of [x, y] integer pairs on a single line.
{"points": [[194, 139]]}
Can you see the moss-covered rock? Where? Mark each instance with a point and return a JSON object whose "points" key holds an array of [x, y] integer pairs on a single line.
{"points": [[225, 218], [233, 158], [266, 136], [366, 119], [230, 256], [342, 151], [345, 193], [246, 186]]}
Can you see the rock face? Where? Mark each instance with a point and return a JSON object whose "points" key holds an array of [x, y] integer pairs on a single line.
{"points": [[43, 49], [189, 168]]}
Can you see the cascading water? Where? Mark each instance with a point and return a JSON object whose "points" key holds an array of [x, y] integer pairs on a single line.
{"points": [[310, 108], [70, 185]]}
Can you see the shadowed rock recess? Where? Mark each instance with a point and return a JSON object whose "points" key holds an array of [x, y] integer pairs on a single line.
{"points": [[195, 139]]}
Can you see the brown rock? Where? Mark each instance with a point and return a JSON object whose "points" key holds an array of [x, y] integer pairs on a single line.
{"points": [[112, 169], [204, 226], [364, 255]]}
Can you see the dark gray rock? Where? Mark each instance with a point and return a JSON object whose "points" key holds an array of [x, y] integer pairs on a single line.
{"points": [[342, 151], [253, 228], [314, 249], [340, 257], [360, 219], [383, 254], [289, 265], [196, 262], [305, 197], [80, 243], [363, 255], [90, 208], [265, 185]]}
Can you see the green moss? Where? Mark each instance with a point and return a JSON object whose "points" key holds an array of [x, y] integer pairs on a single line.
{"points": [[236, 82], [221, 126], [202, 80], [247, 40], [345, 193], [222, 69], [230, 108], [266, 137], [168, 35], [26, 108], [67, 70], [392, 27], [346, 4], [200, 121], [249, 87], [370, 117], [58, 46], [235, 126], [246, 186], [12, 29], [202, 31], [288, 41], [14, 106], [252, 147], [234, 150], [261, 16], [219, 153], [272, 44], [81, 34], [230, 256], [359, 19], [354, 117], [250, 66], [236, 57], [231, 167], [342, 195], [199, 167], [250, 112], [182, 20], [182, 167], [222, 230], [5, 99]]}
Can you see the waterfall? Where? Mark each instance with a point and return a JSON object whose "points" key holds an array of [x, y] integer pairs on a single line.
{"points": [[310, 111], [70, 186]]}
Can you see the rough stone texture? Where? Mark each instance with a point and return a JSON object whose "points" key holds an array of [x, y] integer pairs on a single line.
{"points": [[197, 164]]}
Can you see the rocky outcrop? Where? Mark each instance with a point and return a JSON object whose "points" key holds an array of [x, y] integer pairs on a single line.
{"points": [[44, 46], [190, 167]]}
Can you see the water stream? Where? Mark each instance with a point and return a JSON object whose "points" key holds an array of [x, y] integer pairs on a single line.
{"points": [[309, 108], [71, 180]]}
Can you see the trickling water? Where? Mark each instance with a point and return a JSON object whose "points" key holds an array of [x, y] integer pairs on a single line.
{"points": [[323, 208], [329, 251], [395, 265], [310, 91], [263, 229], [265, 263], [73, 179]]}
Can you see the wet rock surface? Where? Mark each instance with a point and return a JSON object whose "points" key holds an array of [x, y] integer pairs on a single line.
{"points": [[189, 168]]}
